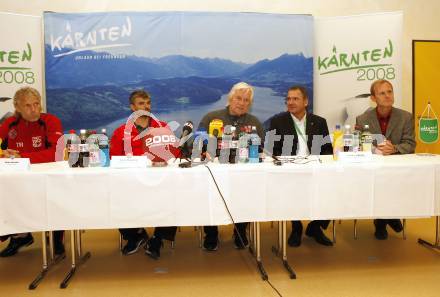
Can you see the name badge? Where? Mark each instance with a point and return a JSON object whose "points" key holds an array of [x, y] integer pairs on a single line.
{"points": [[15, 164], [129, 162], [355, 157]]}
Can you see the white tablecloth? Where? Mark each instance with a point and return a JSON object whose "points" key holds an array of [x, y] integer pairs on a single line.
{"points": [[53, 196]]}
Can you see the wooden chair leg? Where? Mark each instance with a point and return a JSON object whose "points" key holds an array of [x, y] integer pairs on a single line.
{"points": [[404, 229], [355, 229]]}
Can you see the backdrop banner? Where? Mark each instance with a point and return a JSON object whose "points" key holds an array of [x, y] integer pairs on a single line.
{"points": [[350, 53], [187, 61], [20, 57]]}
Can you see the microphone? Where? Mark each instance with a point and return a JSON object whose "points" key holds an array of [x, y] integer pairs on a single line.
{"points": [[204, 143], [200, 149], [215, 128], [185, 139], [276, 160], [186, 131]]}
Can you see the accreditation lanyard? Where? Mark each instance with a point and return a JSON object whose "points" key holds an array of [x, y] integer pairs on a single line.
{"points": [[299, 132]]}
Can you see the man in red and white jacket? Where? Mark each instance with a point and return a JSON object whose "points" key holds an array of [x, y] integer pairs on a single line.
{"points": [[126, 140], [34, 135]]}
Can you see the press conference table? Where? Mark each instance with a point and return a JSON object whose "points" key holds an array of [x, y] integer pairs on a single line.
{"points": [[55, 197]]}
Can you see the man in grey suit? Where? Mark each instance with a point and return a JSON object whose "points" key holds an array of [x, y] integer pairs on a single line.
{"points": [[397, 126]]}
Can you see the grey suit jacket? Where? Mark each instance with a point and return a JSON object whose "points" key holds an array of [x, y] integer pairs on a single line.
{"points": [[400, 130]]}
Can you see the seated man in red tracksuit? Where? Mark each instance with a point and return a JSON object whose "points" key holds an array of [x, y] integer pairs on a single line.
{"points": [[34, 135], [136, 237]]}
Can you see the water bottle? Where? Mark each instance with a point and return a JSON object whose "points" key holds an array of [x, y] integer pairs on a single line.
{"points": [[83, 157], [254, 144], [104, 148], [366, 139], [243, 142], [94, 153], [225, 145], [348, 139], [356, 139], [72, 147], [234, 145]]}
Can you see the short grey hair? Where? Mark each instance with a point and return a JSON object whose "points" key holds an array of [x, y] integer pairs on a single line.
{"points": [[241, 86]]}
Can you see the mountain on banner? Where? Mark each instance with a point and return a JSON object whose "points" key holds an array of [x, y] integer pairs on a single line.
{"points": [[286, 67], [182, 66], [71, 72], [88, 92]]}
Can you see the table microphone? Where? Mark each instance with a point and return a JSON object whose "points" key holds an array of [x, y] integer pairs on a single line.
{"points": [[276, 160], [186, 131]]}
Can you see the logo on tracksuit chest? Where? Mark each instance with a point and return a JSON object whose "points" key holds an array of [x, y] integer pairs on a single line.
{"points": [[12, 134], [37, 141]]}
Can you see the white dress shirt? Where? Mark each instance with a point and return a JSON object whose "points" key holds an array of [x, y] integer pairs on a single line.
{"points": [[302, 149]]}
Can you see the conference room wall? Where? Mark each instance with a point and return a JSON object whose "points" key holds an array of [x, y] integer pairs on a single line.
{"points": [[420, 17]]}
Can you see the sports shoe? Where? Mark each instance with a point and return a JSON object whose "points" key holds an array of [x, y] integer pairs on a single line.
{"points": [[153, 247], [238, 243], [133, 245], [15, 244], [318, 235], [395, 224], [210, 243]]}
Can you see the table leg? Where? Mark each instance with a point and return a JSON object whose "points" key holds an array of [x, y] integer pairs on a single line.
{"points": [[355, 234], [436, 244], [277, 249], [200, 236], [404, 229], [253, 236], [75, 246], [51, 246], [258, 252], [46, 264], [284, 249]]}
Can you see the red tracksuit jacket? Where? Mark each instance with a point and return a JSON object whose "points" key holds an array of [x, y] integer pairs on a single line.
{"points": [[34, 140], [137, 146]]}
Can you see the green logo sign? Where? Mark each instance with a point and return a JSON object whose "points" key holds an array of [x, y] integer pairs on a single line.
{"points": [[369, 64], [428, 130], [11, 70]]}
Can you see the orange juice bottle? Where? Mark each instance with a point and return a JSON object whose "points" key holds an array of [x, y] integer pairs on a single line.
{"points": [[338, 145]]}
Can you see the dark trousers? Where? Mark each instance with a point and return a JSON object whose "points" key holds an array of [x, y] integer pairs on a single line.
{"points": [[382, 223], [168, 233], [57, 236], [313, 225], [212, 231]]}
